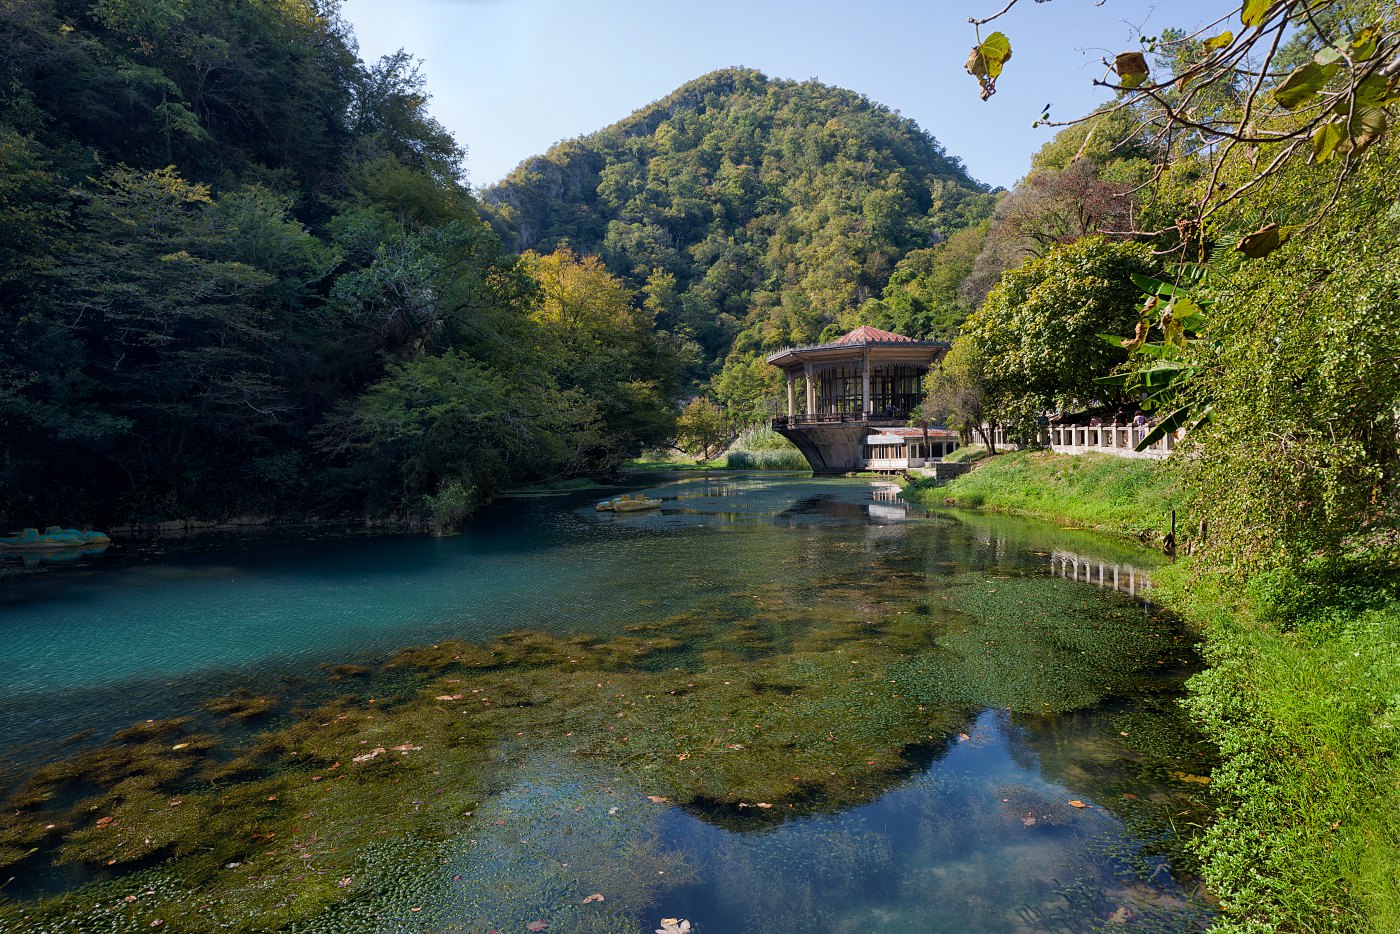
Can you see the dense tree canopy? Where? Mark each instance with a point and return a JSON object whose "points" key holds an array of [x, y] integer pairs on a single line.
{"points": [[241, 274], [775, 208], [1034, 343]]}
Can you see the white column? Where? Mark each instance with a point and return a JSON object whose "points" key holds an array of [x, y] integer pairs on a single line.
{"points": [[811, 389], [792, 400], [865, 382]]}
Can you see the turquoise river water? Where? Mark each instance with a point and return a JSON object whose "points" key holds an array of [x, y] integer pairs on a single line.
{"points": [[776, 704]]}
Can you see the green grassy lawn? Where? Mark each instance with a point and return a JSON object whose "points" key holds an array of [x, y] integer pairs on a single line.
{"points": [[641, 463], [1122, 496], [1306, 712]]}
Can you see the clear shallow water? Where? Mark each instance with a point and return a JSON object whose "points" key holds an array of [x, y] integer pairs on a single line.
{"points": [[1031, 691]]}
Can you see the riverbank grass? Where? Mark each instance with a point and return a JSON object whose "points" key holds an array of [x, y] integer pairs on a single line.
{"points": [[759, 448], [1305, 707], [1128, 497]]}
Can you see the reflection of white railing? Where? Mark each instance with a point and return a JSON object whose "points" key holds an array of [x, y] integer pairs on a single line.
{"points": [[887, 493], [1118, 440], [1121, 577]]}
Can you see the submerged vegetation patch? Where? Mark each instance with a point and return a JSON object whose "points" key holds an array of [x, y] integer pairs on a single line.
{"points": [[538, 768]]}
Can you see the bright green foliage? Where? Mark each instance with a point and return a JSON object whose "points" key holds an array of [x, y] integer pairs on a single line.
{"points": [[956, 394], [1162, 374], [776, 206], [1301, 455], [924, 298], [764, 449], [1035, 339], [1305, 836], [597, 341], [750, 391], [1132, 498], [701, 430]]}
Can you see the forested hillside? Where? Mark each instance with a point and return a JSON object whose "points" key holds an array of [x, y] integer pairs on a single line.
{"points": [[240, 273], [753, 212]]}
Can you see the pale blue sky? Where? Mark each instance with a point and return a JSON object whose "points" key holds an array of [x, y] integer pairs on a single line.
{"points": [[511, 77]]}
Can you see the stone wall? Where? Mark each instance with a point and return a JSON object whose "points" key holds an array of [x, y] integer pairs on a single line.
{"points": [[941, 471]]}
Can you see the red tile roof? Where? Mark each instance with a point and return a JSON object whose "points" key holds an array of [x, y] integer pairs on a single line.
{"points": [[866, 334]]}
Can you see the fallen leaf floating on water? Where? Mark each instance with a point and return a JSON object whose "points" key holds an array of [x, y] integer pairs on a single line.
{"points": [[658, 799], [179, 746], [963, 737], [595, 897], [1122, 916], [674, 926], [344, 883], [1187, 777], [1076, 803], [536, 926], [105, 821], [374, 753], [450, 697], [764, 804], [1028, 820]]}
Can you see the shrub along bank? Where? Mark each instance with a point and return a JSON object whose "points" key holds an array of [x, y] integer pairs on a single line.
{"points": [[1302, 697]]}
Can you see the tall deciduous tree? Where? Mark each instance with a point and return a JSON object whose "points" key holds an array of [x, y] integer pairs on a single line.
{"points": [[701, 430], [1035, 338]]}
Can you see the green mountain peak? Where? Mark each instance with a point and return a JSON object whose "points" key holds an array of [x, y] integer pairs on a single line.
{"points": [[755, 212]]}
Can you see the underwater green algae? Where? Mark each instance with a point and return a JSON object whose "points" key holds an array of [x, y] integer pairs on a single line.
{"points": [[488, 785], [763, 715]]}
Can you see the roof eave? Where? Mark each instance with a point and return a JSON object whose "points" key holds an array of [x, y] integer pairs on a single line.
{"points": [[793, 352]]}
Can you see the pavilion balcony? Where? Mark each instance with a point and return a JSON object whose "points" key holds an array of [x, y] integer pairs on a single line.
{"points": [[871, 420]]}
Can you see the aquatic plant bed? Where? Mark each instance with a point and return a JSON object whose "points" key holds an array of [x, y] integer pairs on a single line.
{"points": [[836, 715]]}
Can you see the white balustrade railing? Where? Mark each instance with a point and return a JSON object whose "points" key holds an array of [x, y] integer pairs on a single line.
{"points": [[1118, 440]]}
